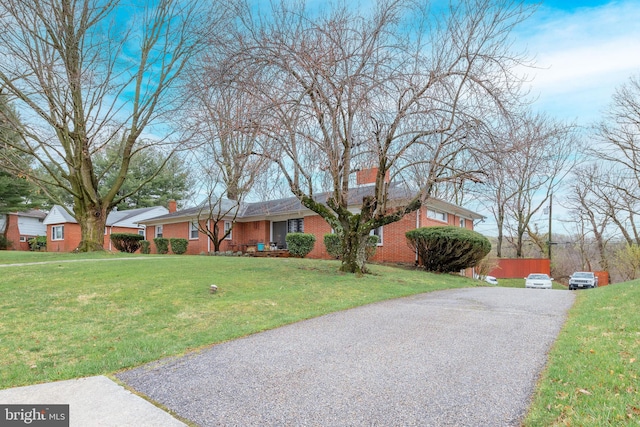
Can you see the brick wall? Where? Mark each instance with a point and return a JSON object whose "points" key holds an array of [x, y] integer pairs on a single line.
{"points": [[72, 237], [318, 227], [13, 233], [394, 246]]}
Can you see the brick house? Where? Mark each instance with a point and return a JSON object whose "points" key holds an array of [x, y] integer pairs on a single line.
{"points": [[64, 234], [264, 225], [22, 226]]}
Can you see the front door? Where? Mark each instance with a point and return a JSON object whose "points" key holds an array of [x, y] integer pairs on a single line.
{"points": [[279, 234]]}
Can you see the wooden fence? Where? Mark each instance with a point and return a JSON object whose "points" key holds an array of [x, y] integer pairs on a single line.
{"points": [[519, 268]]}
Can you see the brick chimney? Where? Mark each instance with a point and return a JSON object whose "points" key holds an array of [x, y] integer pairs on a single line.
{"points": [[368, 176], [173, 206]]}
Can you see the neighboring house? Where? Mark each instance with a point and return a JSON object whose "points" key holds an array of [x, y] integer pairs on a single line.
{"points": [[63, 231], [22, 226], [270, 221]]}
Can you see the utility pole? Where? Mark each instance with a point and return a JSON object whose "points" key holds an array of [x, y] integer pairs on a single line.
{"points": [[550, 211]]}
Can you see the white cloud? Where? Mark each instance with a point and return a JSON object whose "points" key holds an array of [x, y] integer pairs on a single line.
{"points": [[582, 56]]}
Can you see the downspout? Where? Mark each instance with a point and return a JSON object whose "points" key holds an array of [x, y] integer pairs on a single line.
{"points": [[208, 239]]}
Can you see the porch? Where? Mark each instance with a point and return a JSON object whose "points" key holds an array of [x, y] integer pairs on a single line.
{"points": [[260, 249]]}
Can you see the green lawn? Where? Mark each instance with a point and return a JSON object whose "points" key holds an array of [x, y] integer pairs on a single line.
{"points": [[71, 319], [593, 374]]}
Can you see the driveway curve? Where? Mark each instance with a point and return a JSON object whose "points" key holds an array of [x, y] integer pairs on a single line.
{"points": [[467, 357]]}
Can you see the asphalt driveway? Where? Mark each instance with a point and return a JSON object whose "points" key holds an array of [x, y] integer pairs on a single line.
{"points": [[468, 357]]}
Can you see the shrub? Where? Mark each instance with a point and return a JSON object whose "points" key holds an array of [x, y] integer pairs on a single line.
{"points": [[4, 242], [38, 243], [446, 249], [145, 247], [162, 245], [372, 245], [334, 245], [486, 265], [300, 244], [179, 246], [126, 242]]}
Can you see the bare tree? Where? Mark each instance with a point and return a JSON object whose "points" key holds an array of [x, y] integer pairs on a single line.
{"points": [[214, 213], [389, 88], [541, 151], [591, 214], [618, 145], [87, 74], [226, 123]]}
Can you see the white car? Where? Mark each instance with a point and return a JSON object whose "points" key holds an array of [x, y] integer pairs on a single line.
{"points": [[537, 281], [491, 280]]}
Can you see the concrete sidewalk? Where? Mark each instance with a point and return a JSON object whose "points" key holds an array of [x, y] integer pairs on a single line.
{"points": [[93, 401]]}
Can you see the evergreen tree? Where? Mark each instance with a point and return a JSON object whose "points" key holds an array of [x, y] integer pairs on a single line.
{"points": [[173, 182]]}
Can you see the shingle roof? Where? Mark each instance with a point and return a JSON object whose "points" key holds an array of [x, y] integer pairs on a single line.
{"points": [[32, 213], [290, 205], [115, 217], [222, 205]]}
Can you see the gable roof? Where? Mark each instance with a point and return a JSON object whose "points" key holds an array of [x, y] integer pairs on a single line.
{"points": [[291, 205], [131, 217], [127, 218], [31, 213]]}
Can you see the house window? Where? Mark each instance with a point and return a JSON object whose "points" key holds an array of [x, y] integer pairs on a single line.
{"points": [[23, 238], [377, 232], [193, 231], [228, 225], [295, 226], [437, 215], [158, 231], [141, 231], [463, 223], [57, 232]]}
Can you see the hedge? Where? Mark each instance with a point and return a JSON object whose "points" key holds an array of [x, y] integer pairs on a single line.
{"points": [[145, 247], [162, 245], [446, 249], [38, 243], [126, 242], [179, 246], [300, 244]]}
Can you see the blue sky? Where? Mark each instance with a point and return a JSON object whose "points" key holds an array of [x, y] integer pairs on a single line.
{"points": [[584, 50]]}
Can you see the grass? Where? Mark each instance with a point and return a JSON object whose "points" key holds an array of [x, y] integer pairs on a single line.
{"points": [[64, 320], [72, 319], [593, 374]]}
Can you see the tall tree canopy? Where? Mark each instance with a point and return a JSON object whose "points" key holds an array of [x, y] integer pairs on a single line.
{"points": [[173, 182], [394, 87], [88, 75], [16, 193]]}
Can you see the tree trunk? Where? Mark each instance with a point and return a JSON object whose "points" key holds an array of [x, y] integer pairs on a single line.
{"points": [[215, 239], [92, 223], [5, 232], [354, 253]]}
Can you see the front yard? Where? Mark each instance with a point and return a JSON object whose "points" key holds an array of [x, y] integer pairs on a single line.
{"points": [[81, 315], [65, 319]]}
